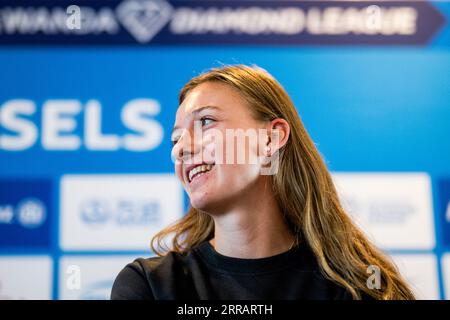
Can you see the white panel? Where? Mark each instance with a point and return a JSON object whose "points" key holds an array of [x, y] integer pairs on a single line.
{"points": [[26, 277], [117, 212], [420, 270], [446, 274], [89, 277], [393, 209]]}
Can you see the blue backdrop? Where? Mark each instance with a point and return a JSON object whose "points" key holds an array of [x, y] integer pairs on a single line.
{"points": [[368, 107]]}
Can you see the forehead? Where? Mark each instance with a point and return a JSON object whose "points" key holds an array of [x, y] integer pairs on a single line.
{"points": [[217, 94]]}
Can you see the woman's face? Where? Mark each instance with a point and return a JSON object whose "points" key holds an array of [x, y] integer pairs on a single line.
{"points": [[217, 142]]}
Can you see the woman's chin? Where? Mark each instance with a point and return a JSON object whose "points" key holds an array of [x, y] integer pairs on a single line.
{"points": [[203, 202], [199, 202]]}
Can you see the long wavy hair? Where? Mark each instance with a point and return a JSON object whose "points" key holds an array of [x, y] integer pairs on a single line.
{"points": [[305, 193]]}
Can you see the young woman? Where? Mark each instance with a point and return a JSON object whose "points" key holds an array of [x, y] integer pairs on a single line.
{"points": [[253, 233]]}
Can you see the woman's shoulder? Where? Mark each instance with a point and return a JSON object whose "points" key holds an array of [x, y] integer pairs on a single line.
{"points": [[159, 264], [135, 280]]}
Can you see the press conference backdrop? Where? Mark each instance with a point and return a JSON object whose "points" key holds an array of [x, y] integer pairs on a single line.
{"points": [[88, 94]]}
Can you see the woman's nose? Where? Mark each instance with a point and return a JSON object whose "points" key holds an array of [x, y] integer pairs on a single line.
{"points": [[187, 147]]}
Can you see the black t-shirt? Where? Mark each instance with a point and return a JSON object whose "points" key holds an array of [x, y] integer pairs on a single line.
{"points": [[203, 273]]}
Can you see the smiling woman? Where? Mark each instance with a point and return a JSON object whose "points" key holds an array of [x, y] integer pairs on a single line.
{"points": [[253, 233]]}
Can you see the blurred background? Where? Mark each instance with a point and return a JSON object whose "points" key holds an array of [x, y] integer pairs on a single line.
{"points": [[88, 95]]}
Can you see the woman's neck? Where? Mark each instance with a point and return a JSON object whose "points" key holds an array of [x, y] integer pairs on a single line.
{"points": [[254, 228]]}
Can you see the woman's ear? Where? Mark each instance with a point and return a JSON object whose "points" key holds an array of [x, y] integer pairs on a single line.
{"points": [[278, 134]]}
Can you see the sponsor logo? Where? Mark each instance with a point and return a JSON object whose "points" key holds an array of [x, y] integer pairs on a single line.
{"points": [[381, 211], [95, 212], [114, 212], [144, 19], [209, 22], [31, 213], [25, 206], [98, 212]]}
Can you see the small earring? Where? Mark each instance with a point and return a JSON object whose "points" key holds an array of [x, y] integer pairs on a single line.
{"points": [[268, 151]]}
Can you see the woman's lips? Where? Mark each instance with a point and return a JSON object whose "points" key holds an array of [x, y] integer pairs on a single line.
{"points": [[196, 169], [199, 178]]}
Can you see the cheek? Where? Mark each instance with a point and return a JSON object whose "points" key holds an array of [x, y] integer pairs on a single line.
{"points": [[179, 172], [209, 153], [238, 176], [234, 173]]}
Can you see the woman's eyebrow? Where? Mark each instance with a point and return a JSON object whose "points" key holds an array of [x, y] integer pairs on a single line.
{"points": [[196, 111]]}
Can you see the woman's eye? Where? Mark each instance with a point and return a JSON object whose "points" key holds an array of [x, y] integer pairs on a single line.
{"points": [[174, 141], [205, 121]]}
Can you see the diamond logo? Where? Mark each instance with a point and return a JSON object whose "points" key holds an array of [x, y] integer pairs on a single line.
{"points": [[144, 18]]}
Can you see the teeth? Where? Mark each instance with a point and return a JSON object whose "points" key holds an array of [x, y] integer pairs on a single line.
{"points": [[199, 169]]}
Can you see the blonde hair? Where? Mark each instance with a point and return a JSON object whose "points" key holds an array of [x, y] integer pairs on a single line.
{"points": [[304, 191]]}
